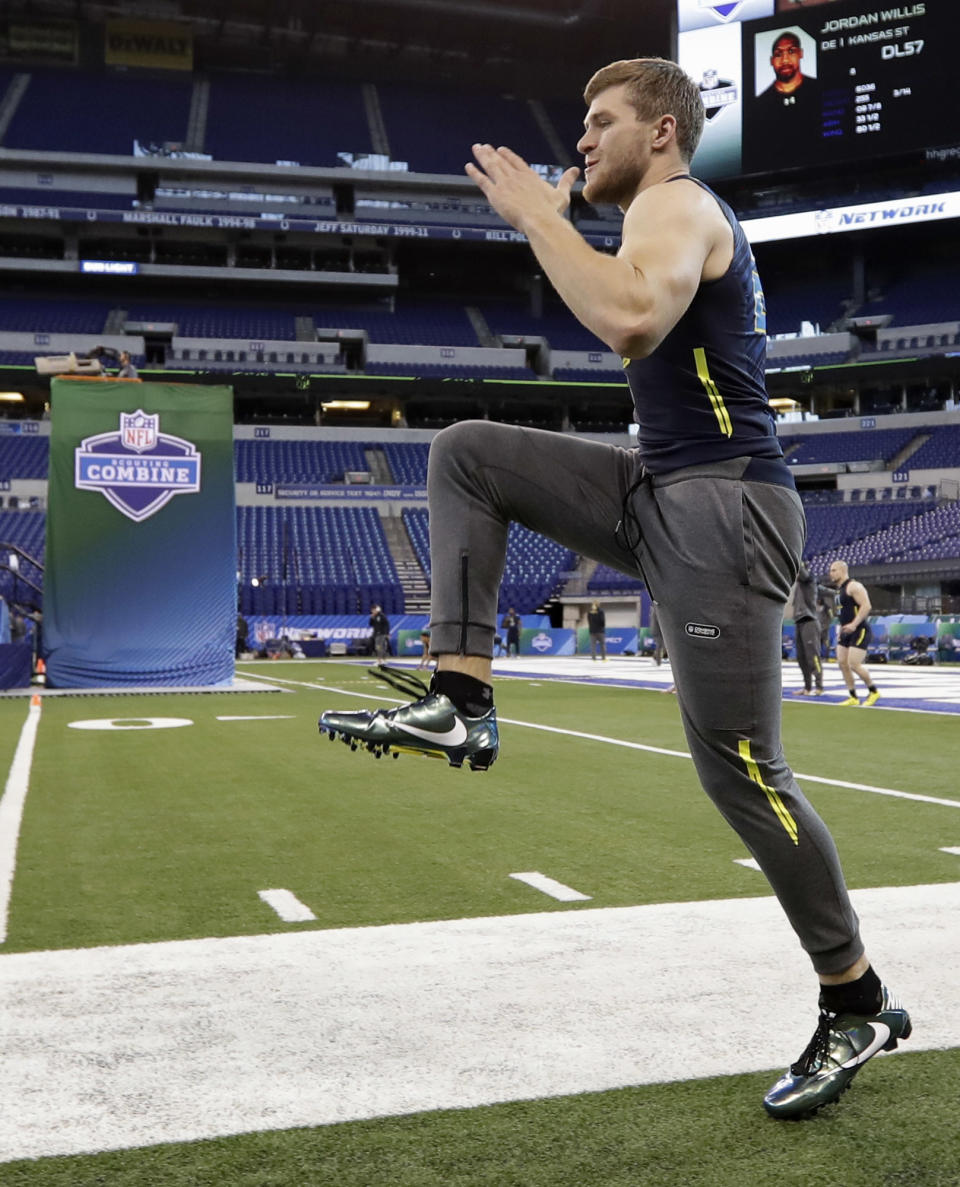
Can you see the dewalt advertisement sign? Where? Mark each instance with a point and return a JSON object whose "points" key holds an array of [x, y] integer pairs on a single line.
{"points": [[157, 45]]}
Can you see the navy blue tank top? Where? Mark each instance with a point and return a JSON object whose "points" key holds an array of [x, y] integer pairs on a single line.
{"points": [[701, 395], [848, 607]]}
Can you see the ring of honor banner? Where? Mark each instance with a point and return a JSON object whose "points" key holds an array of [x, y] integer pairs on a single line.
{"points": [[141, 558]]}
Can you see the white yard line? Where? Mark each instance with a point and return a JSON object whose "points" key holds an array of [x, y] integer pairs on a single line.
{"points": [[553, 729], [256, 717], [11, 808], [111, 1048], [550, 886], [287, 906]]}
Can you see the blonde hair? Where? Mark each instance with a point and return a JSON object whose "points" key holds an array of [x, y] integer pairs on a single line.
{"points": [[655, 87]]}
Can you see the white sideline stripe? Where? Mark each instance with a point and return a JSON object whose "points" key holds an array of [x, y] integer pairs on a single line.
{"points": [[750, 862], [287, 905], [112, 1048], [900, 795], [11, 809], [950, 849], [557, 890], [553, 729], [256, 717]]}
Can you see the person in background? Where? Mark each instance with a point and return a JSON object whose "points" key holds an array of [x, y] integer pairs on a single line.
{"points": [[510, 625], [121, 357], [425, 645], [826, 612], [243, 634], [380, 626], [855, 634], [127, 369], [807, 633], [656, 635], [597, 626]]}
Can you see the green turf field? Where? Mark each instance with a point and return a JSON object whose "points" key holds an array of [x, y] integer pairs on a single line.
{"points": [[140, 835]]}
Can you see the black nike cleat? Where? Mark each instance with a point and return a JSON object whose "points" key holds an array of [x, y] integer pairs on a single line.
{"points": [[431, 726], [841, 1045]]}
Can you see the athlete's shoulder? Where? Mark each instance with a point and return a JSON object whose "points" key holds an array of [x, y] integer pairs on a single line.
{"points": [[682, 204]]}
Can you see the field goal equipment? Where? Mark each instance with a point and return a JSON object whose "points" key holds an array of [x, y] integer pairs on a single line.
{"points": [[66, 364]]}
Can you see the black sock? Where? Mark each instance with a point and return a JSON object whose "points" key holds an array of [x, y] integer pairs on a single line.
{"points": [[871, 688], [862, 996], [469, 695]]}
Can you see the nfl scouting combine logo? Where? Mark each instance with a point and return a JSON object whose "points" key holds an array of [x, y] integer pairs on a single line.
{"points": [[723, 11], [716, 93], [138, 469]]}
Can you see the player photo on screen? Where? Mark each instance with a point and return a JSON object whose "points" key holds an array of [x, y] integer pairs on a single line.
{"points": [[785, 64]]}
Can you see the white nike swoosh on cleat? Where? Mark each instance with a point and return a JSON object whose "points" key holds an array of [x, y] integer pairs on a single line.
{"points": [[881, 1034], [455, 736]]}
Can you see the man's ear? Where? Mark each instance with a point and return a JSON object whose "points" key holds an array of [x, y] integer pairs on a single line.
{"points": [[664, 131]]}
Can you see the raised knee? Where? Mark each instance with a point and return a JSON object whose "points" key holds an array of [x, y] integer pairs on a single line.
{"points": [[479, 438]]}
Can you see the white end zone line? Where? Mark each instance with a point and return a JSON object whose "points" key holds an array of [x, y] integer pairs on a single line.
{"points": [[473, 1012], [553, 729], [11, 808]]}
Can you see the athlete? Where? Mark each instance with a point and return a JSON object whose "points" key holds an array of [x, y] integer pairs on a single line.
{"points": [[855, 634], [808, 632], [705, 509]]}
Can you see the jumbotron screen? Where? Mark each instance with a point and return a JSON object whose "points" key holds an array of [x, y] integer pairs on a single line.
{"points": [[790, 84]]}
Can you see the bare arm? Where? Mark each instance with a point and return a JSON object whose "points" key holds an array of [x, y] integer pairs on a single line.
{"points": [[632, 300]]}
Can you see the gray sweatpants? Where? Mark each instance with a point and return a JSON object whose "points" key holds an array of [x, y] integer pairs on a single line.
{"points": [[808, 653], [719, 556]]}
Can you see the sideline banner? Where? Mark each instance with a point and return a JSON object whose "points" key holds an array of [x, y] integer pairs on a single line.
{"points": [[45, 41], [141, 558], [547, 641], [157, 45], [619, 640]]}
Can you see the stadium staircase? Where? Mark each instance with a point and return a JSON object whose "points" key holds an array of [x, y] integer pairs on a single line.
{"points": [[558, 147], [21, 581], [897, 461], [197, 118], [378, 466], [485, 336], [11, 101], [575, 585], [305, 330], [413, 580], [116, 322]]}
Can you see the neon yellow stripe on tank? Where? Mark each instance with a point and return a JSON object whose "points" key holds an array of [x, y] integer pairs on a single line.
{"points": [[713, 392], [783, 814]]}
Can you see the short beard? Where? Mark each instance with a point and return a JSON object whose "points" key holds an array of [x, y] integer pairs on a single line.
{"points": [[611, 193]]}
